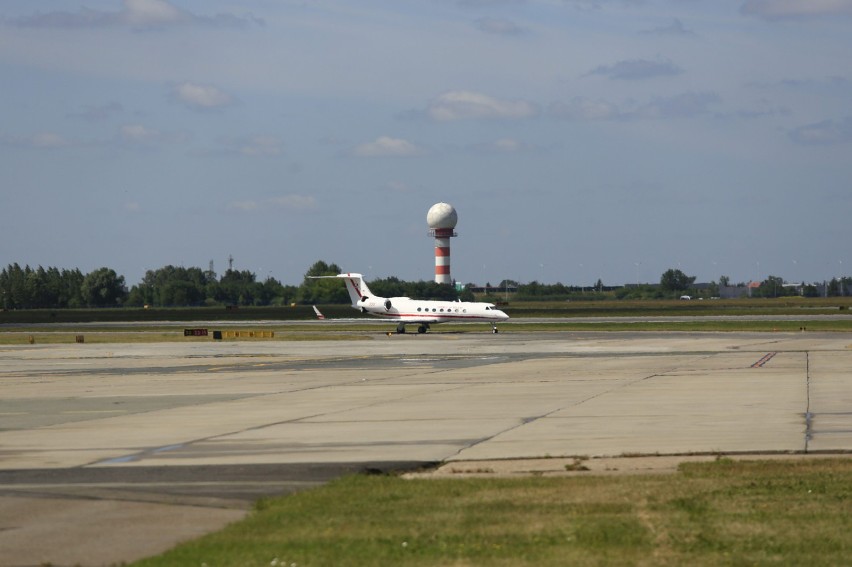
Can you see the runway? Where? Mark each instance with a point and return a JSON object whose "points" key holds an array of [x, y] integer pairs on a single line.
{"points": [[144, 445]]}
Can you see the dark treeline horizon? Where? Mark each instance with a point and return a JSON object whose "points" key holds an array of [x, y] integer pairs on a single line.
{"points": [[177, 286]]}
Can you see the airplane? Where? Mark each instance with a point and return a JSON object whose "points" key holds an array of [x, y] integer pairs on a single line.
{"points": [[406, 311]]}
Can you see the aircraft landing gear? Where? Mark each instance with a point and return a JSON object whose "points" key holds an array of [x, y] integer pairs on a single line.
{"points": [[400, 329], [494, 329]]}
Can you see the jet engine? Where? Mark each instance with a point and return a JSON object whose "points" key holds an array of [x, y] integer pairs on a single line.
{"points": [[388, 305]]}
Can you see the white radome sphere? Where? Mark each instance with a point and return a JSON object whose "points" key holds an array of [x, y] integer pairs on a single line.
{"points": [[442, 215]]}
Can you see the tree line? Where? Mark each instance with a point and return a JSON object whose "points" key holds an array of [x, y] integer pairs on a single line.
{"points": [[176, 286], [28, 288], [674, 283]]}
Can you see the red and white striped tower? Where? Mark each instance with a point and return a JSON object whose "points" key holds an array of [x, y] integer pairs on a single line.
{"points": [[442, 219]]}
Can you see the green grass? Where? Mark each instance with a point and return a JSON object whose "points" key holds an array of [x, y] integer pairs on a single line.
{"points": [[125, 325], [721, 513], [732, 325], [604, 308], [41, 316], [658, 308], [19, 335]]}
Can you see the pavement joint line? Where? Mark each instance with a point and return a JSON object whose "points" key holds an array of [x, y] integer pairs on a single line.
{"points": [[808, 415], [657, 368]]}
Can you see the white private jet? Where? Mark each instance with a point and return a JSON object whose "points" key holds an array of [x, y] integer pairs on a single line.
{"points": [[406, 311]]}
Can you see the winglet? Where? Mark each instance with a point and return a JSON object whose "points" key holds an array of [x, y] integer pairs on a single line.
{"points": [[320, 316]]}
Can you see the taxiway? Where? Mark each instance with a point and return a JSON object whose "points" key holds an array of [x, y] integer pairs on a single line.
{"points": [[112, 452]]}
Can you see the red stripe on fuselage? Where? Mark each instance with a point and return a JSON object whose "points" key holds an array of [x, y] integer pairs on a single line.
{"points": [[432, 318]]}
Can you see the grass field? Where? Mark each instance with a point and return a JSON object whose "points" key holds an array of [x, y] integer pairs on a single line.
{"points": [[155, 325], [720, 513], [14, 335], [658, 308], [545, 309]]}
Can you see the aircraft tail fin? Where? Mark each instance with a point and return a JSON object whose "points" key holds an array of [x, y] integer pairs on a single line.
{"points": [[355, 285], [320, 316]]}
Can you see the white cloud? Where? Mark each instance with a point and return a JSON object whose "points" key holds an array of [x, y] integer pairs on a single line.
{"points": [[150, 13], [503, 146], [386, 146], [138, 14], [796, 9], [461, 105], [203, 97]]}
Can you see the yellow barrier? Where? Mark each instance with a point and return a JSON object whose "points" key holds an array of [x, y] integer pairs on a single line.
{"points": [[248, 334]]}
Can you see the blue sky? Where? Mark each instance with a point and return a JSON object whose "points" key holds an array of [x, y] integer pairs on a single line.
{"points": [[577, 139]]}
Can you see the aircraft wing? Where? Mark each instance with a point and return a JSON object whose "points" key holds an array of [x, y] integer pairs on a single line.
{"points": [[409, 319]]}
